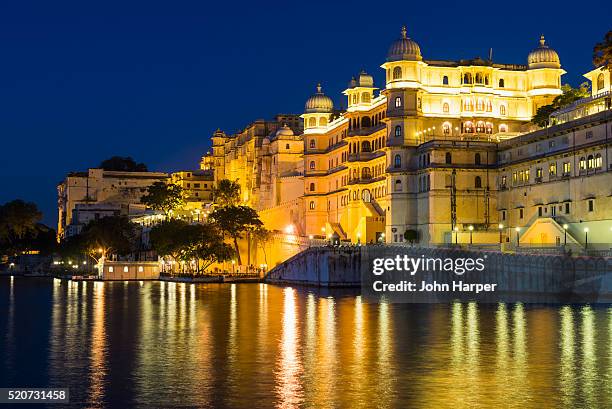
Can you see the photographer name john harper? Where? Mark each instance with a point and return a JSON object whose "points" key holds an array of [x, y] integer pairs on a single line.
{"points": [[424, 286]]}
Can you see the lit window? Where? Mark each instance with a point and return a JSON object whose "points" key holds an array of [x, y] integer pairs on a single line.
{"points": [[598, 161], [445, 108], [552, 169], [312, 122], [397, 161], [126, 269], [312, 205], [398, 130], [111, 269], [312, 143], [582, 163], [398, 102], [397, 73], [365, 97], [590, 162], [600, 82], [312, 165], [503, 128], [502, 110], [140, 269], [398, 185], [567, 168]]}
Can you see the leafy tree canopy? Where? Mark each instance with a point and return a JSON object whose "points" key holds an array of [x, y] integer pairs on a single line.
{"points": [[602, 52], [105, 236], [227, 193], [19, 226], [164, 197], [123, 164], [235, 221], [569, 95]]}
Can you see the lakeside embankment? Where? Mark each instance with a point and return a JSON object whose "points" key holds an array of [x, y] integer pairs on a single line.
{"points": [[563, 277]]}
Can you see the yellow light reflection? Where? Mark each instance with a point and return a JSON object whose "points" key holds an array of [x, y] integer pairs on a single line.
{"points": [[589, 360], [567, 376], [289, 371]]}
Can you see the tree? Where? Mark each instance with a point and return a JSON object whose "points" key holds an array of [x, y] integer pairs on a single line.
{"points": [[411, 235], [19, 225], [569, 95], [236, 220], [263, 236], [183, 241], [227, 193], [123, 164], [602, 52], [164, 197], [105, 236]]}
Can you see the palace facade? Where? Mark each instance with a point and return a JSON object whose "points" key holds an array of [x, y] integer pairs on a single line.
{"points": [[445, 151]]}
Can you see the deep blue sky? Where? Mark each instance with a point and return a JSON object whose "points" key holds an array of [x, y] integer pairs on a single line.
{"points": [[82, 81]]}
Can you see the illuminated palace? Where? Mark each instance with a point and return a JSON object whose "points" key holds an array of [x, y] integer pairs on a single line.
{"points": [[445, 151]]}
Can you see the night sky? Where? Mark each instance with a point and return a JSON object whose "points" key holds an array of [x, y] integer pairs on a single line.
{"points": [[83, 81]]}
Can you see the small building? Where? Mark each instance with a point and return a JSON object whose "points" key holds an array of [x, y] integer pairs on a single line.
{"points": [[129, 270]]}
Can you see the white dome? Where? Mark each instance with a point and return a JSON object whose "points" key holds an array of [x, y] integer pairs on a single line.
{"points": [[404, 49], [543, 57], [284, 131], [319, 102]]}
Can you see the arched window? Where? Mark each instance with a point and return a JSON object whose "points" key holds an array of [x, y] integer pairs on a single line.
{"points": [[398, 131], [312, 187], [501, 83], [312, 165], [322, 121], [480, 105], [477, 182], [445, 80], [446, 128], [354, 98], [448, 158], [365, 122], [365, 97], [468, 105], [582, 163], [486, 78], [365, 146], [489, 128], [598, 161], [398, 185], [477, 158], [312, 122], [502, 110], [503, 128], [366, 196], [312, 143], [467, 78], [398, 102], [287, 146], [397, 73], [445, 108], [489, 106], [311, 205], [590, 162], [600, 82], [397, 161], [478, 78], [468, 127], [480, 127], [365, 173]]}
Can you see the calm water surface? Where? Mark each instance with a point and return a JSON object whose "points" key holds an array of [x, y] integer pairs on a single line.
{"points": [[157, 344]]}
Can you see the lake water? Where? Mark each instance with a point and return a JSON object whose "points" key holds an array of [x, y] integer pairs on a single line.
{"points": [[153, 344]]}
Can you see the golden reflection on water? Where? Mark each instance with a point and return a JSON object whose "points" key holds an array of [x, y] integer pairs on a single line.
{"points": [[257, 345], [589, 361], [289, 368]]}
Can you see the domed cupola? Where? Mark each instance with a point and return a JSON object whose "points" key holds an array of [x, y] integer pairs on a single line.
{"points": [[284, 132], [365, 79], [543, 57], [319, 102], [404, 49]]}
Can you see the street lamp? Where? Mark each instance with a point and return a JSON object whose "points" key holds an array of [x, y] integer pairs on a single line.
{"points": [[586, 237], [518, 230], [501, 227], [382, 237], [456, 229], [565, 226], [471, 229]]}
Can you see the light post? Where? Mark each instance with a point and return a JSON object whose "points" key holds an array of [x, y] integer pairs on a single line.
{"points": [[359, 239], [310, 240], [565, 226], [471, 229], [456, 234], [586, 237], [501, 227], [518, 230]]}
